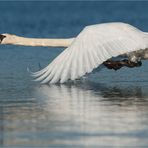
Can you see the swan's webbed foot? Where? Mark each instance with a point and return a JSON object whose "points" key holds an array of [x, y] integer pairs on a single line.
{"points": [[119, 64], [113, 64], [2, 37]]}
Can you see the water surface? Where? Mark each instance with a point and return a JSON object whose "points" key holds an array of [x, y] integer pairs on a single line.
{"points": [[105, 108]]}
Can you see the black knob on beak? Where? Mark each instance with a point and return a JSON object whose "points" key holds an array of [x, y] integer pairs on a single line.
{"points": [[2, 37]]}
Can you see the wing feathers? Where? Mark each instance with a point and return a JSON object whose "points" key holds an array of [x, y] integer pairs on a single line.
{"points": [[67, 68], [88, 51], [55, 68]]}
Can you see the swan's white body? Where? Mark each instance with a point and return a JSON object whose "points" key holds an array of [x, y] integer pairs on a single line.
{"points": [[94, 45]]}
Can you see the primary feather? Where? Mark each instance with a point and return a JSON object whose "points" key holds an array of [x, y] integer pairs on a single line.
{"points": [[94, 45]]}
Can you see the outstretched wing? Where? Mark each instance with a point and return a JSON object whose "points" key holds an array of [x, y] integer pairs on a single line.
{"points": [[91, 48]]}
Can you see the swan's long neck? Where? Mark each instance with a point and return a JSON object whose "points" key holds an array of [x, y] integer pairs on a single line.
{"points": [[17, 40]]}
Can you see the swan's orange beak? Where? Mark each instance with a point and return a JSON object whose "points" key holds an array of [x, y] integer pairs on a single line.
{"points": [[2, 37]]}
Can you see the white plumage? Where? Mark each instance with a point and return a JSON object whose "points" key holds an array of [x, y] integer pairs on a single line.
{"points": [[94, 45]]}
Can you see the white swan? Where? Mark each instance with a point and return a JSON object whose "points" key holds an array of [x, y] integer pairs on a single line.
{"points": [[95, 45]]}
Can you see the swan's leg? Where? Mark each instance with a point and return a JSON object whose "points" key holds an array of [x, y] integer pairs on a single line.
{"points": [[119, 64]]}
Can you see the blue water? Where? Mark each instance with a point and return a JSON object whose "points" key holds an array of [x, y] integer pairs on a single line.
{"points": [[106, 108]]}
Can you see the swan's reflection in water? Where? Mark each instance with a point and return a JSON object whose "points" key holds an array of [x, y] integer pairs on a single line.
{"points": [[81, 114]]}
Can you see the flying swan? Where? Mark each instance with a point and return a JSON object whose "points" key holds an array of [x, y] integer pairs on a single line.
{"points": [[95, 45]]}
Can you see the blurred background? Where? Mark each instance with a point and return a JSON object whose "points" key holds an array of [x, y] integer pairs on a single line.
{"points": [[106, 108]]}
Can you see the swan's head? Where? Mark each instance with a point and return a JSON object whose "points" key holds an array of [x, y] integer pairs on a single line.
{"points": [[2, 37], [7, 38]]}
